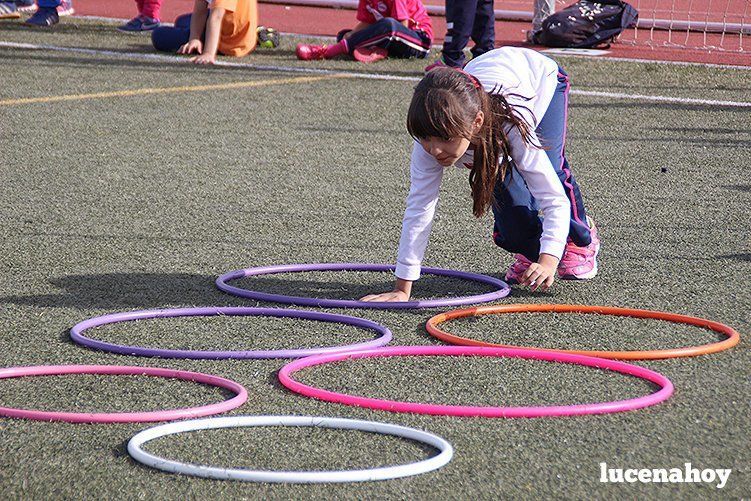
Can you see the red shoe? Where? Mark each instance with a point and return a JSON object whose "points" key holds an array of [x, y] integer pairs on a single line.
{"points": [[370, 54], [310, 52]]}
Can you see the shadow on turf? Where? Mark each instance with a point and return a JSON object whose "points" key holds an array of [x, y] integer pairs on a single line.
{"points": [[114, 291], [699, 130], [61, 28], [121, 451], [127, 290], [329, 129], [287, 57], [737, 257], [745, 188]]}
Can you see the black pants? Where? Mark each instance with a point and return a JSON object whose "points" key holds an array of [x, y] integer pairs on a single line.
{"points": [[465, 19], [517, 227], [169, 38], [393, 36]]}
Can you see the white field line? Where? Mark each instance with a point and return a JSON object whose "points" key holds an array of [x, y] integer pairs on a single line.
{"points": [[364, 76], [184, 60], [661, 99], [439, 47]]}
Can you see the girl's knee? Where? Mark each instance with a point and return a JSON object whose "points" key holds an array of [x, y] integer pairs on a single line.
{"points": [[528, 248], [157, 37], [518, 231], [390, 23], [163, 39], [183, 21]]}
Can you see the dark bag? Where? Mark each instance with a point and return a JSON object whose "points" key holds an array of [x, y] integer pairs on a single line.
{"points": [[587, 24]]}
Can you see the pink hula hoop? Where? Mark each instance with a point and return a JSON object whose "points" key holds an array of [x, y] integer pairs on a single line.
{"points": [[666, 387], [124, 417]]}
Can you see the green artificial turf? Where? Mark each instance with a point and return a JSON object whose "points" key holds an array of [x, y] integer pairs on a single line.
{"points": [[123, 203]]}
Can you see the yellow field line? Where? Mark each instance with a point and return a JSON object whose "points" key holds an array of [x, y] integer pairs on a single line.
{"points": [[167, 90]]}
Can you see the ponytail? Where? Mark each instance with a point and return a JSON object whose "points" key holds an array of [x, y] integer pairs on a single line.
{"points": [[493, 149]]}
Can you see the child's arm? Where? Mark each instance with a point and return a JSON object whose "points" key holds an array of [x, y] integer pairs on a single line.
{"points": [[535, 167], [197, 25], [213, 29], [425, 183]]}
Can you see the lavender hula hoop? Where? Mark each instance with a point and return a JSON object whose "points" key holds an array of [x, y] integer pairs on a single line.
{"points": [[76, 333], [221, 282]]}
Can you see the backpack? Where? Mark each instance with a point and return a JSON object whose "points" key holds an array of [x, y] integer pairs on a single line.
{"points": [[587, 24]]}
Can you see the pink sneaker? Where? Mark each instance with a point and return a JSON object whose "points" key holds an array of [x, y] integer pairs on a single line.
{"points": [[580, 263], [515, 271], [369, 54], [310, 52], [65, 8]]}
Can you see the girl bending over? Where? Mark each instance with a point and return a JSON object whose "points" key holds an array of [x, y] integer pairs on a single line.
{"points": [[504, 118]]}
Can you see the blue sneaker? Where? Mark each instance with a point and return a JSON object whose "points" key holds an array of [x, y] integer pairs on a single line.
{"points": [[139, 24], [8, 10], [44, 17]]}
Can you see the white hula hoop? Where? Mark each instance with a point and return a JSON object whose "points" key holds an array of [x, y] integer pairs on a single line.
{"points": [[383, 473]]}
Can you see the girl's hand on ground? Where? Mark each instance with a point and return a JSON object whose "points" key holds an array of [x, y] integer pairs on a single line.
{"points": [[191, 47], [203, 59], [541, 275], [388, 297]]}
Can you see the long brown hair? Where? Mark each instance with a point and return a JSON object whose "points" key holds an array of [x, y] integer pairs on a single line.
{"points": [[445, 104]]}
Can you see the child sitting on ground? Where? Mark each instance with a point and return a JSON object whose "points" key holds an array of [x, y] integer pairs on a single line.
{"points": [[226, 27], [393, 28]]}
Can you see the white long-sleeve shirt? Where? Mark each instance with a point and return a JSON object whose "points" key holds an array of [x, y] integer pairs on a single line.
{"points": [[508, 70]]}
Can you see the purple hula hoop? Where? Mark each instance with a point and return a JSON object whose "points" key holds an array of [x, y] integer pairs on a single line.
{"points": [[221, 282], [76, 333]]}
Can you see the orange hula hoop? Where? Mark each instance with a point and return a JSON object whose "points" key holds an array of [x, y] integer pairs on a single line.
{"points": [[690, 351]]}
